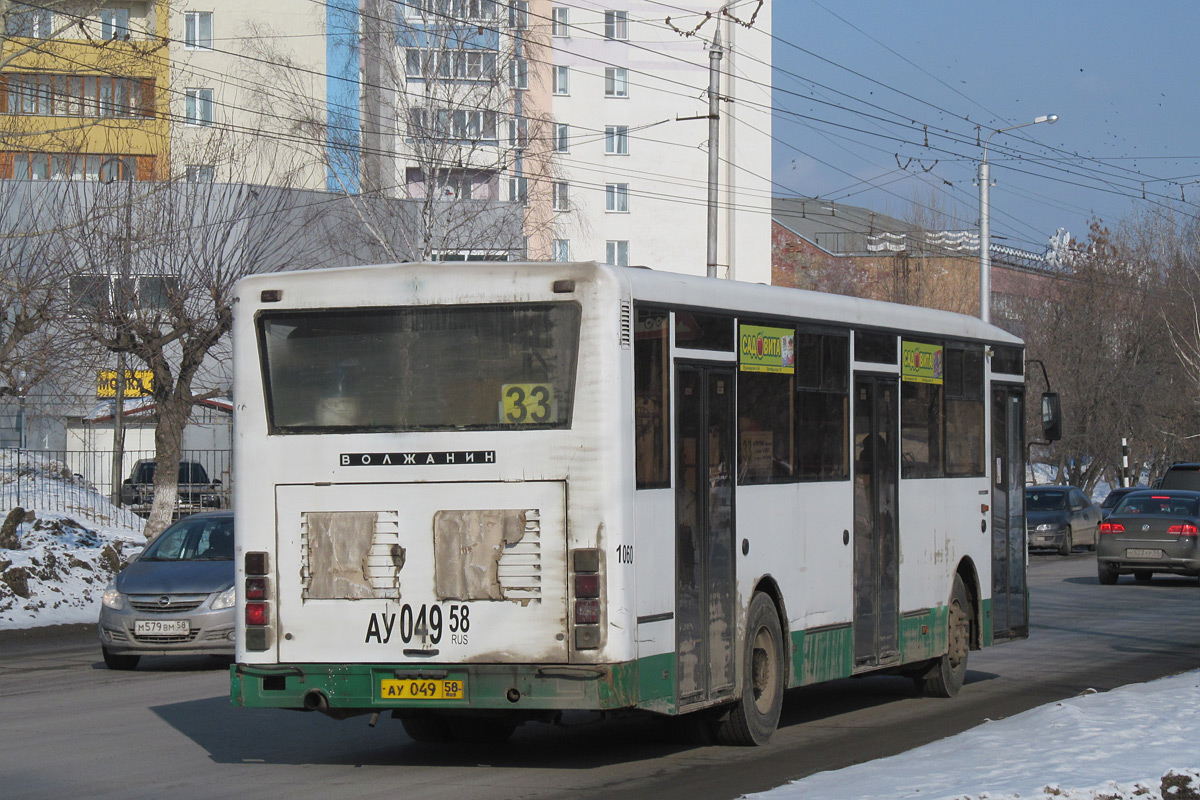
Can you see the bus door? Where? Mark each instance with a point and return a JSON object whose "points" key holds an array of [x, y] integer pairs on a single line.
{"points": [[1009, 608], [704, 606], [876, 529]]}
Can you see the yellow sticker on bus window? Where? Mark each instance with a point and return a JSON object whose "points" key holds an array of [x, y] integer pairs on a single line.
{"points": [[527, 403], [921, 363]]}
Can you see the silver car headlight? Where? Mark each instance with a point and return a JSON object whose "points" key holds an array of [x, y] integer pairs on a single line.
{"points": [[1049, 526], [112, 598], [225, 599]]}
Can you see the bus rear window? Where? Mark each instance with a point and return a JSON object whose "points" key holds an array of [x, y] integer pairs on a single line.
{"points": [[420, 368]]}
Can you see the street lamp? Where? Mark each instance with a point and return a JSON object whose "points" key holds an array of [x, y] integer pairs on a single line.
{"points": [[985, 238], [118, 456]]}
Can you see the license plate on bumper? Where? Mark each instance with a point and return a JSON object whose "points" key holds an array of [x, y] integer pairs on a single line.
{"points": [[162, 627], [1143, 553], [421, 689]]}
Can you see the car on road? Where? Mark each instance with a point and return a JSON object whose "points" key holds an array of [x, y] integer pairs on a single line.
{"points": [[1113, 497], [1181, 475], [1060, 517], [1151, 530], [196, 491], [176, 597]]}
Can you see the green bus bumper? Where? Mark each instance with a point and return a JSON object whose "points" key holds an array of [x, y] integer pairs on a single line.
{"points": [[359, 687]]}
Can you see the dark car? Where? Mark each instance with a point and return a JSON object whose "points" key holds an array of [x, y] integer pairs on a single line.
{"points": [[1183, 475], [1150, 530], [1060, 517], [176, 598], [1114, 497], [196, 491]]}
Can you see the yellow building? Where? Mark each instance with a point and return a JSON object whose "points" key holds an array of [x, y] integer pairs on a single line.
{"points": [[85, 97]]}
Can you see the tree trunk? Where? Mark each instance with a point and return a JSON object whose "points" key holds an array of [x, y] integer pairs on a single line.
{"points": [[168, 445]]}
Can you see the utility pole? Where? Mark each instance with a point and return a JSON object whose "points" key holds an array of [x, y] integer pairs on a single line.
{"points": [[119, 299], [715, 54]]}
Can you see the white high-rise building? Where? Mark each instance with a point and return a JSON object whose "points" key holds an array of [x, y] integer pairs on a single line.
{"points": [[589, 118]]}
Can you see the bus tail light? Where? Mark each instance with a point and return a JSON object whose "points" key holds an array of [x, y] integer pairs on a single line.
{"points": [[1111, 527], [256, 594], [1184, 529], [586, 602]]}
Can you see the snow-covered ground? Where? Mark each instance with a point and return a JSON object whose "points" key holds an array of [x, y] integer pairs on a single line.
{"points": [[1111, 746], [1133, 743], [65, 560]]}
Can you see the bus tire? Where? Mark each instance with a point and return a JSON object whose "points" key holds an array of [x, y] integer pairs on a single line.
{"points": [[754, 717], [427, 727], [948, 673]]}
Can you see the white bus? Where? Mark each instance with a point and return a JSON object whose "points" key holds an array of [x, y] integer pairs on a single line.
{"points": [[475, 495]]}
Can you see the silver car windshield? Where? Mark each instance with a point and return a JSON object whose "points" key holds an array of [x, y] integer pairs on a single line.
{"points": [[193, 539]]}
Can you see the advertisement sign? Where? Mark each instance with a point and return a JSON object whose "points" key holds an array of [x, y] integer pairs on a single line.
{"points": [[921, 363], [762, 349], [138, 383]]}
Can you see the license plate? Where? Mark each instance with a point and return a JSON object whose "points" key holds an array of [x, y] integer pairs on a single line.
{"points": [[419, 689], [1135, 553], [162, 627]]}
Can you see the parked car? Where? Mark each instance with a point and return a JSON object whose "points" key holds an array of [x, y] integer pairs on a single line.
{"points": [[196, 491], [1060, 517], [176, 597], [1114, 496], [1183, 475], [1150, 530]]}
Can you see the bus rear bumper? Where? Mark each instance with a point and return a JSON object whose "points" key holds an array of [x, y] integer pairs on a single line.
{"points": [[348, 689]]}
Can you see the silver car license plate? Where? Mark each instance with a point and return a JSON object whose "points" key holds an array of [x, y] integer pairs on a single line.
{"points": [[162, 627], [1142, 553]]}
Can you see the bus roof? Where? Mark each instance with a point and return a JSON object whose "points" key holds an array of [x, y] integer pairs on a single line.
{"points": [[678, 290]]}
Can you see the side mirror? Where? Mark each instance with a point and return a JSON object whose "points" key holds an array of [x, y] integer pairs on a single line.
{"points": [[1051, 417]]}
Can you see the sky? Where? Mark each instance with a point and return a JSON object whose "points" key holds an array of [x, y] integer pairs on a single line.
{"points": [[858, 85]]}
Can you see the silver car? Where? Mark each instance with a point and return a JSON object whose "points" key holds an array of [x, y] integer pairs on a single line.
{"points": [[176, 598], [1151, 530]]}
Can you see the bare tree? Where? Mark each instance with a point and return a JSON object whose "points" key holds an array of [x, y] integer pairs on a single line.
{"points": [[179, 248]]}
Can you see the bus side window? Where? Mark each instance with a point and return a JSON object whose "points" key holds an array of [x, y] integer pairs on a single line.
{"points": [[651, 362], [823, 406]]}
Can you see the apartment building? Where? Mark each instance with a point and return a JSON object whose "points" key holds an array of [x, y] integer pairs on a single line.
{"points": [[83, 91], [589, 120]]}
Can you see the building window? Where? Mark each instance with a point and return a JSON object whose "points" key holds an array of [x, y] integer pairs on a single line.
{"points": [[518, 132], [197, 30], [560, 250], [473, 64], [562, 137], [198, 106], [88, 293], [70, 166], [562, 80], [617, 253], [34, 23], [452, 123], [452, 9], [518, 73], [616, 82], [518, 190], [616, 197], [114, 23], [518, 14], [616, 140], [616, 24], [78, 96], [200, 173], [560, 21], [562, 196]]}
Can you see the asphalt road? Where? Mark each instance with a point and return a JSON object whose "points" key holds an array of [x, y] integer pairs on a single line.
{"points": [[71, 728]]}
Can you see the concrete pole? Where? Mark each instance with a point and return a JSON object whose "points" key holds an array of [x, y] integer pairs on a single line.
{"points": [[985, 242], [714, 156]]}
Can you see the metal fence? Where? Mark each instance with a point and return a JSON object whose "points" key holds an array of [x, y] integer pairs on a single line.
{"points": [[79, 483]]}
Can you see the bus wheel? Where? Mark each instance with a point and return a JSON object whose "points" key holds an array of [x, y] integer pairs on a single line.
{"points": [[947, 674], [427, 727], [754, 717]]}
